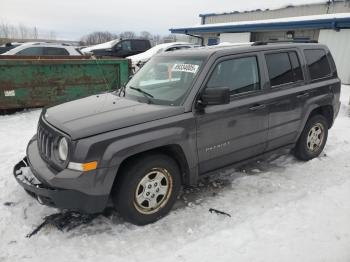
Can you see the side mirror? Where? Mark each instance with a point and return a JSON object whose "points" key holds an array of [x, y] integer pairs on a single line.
{"points": [[215, 96]]}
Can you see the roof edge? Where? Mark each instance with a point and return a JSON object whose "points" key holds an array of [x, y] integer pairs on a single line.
{"points": [[322, 22], [268, 9]]}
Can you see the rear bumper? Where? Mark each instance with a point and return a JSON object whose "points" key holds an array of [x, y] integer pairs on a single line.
{"points": [[39, 182]]}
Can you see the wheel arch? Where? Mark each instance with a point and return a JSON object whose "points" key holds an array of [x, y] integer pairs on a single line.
{"points": [[326, 111], [173, 151]]}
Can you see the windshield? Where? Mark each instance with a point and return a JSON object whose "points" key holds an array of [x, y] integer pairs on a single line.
{"points": [[163, 80]]}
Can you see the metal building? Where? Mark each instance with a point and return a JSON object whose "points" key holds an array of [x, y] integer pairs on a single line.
{"points": [[328, 23]]}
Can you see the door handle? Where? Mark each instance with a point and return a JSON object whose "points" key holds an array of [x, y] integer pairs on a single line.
{"points": [[257, 107], [303, 95]]}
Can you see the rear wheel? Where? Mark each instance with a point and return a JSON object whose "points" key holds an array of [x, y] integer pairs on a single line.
{"points": [[147, 188], [313, 138]]}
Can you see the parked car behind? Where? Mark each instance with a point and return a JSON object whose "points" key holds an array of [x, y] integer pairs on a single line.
{"points": [[119, 48], [43, 49], [140, 59], [183, 116], [8, 46]]}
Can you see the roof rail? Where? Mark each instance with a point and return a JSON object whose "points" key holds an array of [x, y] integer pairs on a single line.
{"points": [[284, 41]]}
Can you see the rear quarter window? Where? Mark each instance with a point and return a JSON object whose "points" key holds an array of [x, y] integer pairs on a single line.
{"points": [[317, 63]]}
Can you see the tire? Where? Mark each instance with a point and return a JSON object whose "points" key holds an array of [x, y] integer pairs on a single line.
{"points": [[313, 138], [147, 189]]}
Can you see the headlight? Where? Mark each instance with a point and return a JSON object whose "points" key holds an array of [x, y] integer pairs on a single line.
{"points": [[63, 149]]}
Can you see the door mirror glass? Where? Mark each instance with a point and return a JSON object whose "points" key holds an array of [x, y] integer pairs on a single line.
{"points": [[215, 96]]}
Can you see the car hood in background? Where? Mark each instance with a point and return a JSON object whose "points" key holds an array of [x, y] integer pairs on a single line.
{"points": [[102, 113]]}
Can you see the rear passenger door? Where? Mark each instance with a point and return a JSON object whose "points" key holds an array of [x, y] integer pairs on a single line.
{"points": [[285, 106], [236, 131]]}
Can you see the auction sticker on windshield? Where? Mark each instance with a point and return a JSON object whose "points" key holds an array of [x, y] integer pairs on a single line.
{"points": [[189, 68]]}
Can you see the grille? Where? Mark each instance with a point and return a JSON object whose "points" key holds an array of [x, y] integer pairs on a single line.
{"points": [[47, 137], [45, 142]]}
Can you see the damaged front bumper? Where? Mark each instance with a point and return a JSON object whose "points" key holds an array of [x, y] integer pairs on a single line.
{"points": [[32, 174], [54, 197]]}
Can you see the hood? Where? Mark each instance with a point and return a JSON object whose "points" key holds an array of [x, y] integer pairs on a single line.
{"points": [[102, 113]]}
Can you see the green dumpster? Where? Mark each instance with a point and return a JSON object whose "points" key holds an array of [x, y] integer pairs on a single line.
{"points": [[30, 82]]}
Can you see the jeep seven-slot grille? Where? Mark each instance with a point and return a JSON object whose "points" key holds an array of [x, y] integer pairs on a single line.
{"points": [[45, 142]]}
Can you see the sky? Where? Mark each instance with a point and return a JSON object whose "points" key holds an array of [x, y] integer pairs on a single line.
{"points": [[71, 19]]}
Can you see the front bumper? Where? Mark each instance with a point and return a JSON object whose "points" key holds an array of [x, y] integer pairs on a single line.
{"points": [[29, 174]]}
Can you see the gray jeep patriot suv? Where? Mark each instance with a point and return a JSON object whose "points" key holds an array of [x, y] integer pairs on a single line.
{"points": [[184, 115]]}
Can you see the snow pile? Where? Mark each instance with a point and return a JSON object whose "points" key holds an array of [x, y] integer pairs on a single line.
{"points": [[281, 210], [234, 44], [106, 45], [145, 56]]}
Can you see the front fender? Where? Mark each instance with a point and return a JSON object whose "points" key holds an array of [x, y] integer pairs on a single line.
{"points": [[121, 149], [110, 149]]}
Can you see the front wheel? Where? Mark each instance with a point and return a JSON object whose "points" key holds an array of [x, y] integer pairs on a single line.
{"points": [[147, 188], [313, 138]]}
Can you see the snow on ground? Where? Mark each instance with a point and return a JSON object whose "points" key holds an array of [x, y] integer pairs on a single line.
{"points": [[282, 210]]}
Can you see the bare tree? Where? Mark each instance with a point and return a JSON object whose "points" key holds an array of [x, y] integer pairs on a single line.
{"points": [[4, 30], [146, 35], [21, 31], [52, 35], [169, 38], [24, 31], [35, 33], [157, 39], [97, 38], [128, 35]]}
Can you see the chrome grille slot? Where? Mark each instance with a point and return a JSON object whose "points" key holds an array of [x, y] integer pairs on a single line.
{"points": [[49, 146], [45, 142]]}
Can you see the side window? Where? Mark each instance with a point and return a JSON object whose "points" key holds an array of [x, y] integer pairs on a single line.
{"points": [[317, 63], [283, 68], [118, 46], [280, 69], [126, 45], [297, 72], [31, 51], [239, 75], [55, 51], [139, 45]]}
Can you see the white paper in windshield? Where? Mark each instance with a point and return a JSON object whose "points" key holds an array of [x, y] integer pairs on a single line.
{"points": [[189, 68]]}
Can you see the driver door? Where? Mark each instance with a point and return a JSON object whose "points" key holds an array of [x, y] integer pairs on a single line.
{"points": [[238, 130], [123, 49]]}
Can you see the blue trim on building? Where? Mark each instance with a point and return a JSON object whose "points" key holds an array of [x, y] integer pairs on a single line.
{"points": [[329, 23]]}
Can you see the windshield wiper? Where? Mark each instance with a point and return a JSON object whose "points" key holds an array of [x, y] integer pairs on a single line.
{"points": [[145, 94]]}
